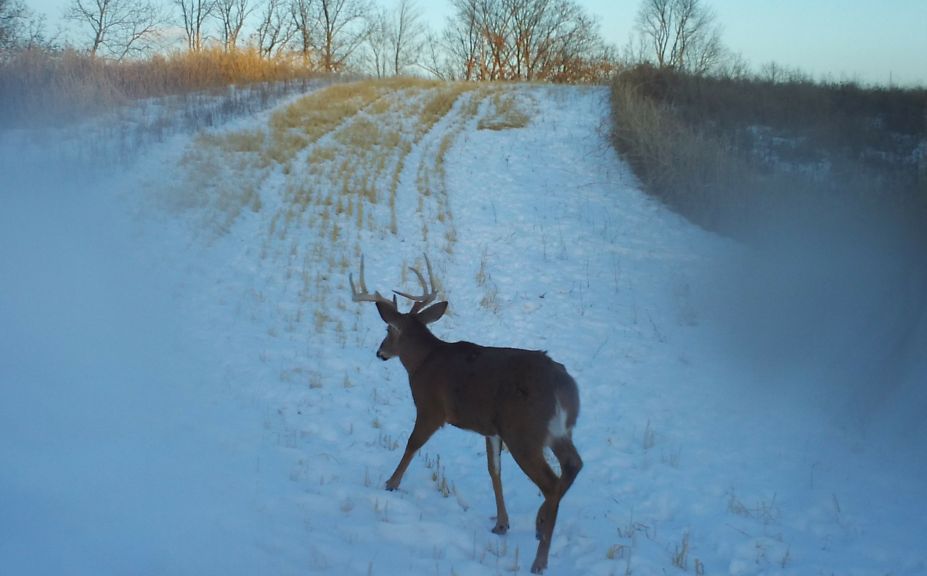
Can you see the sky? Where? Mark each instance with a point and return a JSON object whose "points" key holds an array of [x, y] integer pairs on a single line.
{"points": [[871, 41]]}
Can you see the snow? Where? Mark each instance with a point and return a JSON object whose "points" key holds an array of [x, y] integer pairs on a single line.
{"points": [[180, 398]]}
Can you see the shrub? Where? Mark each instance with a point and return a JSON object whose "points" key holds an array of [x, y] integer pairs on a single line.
{"points": [[731, 153]]}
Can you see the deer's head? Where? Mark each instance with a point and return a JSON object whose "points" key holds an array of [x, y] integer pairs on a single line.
{"points": [[401, 326], [398, 324]]}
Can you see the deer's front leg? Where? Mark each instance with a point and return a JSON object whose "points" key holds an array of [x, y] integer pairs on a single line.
{"points": [[493, 462], [424, 427]]}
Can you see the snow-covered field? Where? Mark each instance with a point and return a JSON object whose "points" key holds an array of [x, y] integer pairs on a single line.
{"points": [[186, 386]]}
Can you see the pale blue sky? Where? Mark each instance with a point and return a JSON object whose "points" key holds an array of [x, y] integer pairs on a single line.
{"points": [[873, 41], [866, 40]]}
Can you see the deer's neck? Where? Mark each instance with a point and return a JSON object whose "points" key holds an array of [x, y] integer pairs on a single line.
{"points": [[416, 347]]}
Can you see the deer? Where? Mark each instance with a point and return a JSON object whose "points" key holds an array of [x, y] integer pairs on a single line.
{"points": [[520, 398]]}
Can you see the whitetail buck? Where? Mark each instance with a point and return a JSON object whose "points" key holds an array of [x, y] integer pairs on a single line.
{"points": [[520, 397]]}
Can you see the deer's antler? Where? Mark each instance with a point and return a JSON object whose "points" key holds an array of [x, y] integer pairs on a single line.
{"points": [[428, 294], [364, 295]]}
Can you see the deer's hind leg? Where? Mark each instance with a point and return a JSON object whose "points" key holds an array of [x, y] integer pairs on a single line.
{"points": [[530, 458], [570, 462]]}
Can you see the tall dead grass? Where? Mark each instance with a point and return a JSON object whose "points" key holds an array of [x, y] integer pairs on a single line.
{"points": [[38, 87]]}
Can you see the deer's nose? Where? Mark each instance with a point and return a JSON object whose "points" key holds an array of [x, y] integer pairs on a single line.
{"points": [[382, 356]]}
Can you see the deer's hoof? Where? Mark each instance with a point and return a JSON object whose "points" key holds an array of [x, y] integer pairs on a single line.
{"points": [[500, 529], [539, 566], [392, 486]]}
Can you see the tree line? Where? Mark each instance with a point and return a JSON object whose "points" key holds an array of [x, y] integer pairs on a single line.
{"points": [[532, 40]]}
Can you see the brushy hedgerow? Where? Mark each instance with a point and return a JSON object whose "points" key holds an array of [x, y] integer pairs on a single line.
{"points": [[730, 153]]}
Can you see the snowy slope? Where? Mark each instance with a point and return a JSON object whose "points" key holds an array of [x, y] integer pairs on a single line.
{"points": [[187, 387]]}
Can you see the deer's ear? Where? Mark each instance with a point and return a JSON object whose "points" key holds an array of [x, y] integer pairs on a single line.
{"points": [[388, 313], [432, 313]]}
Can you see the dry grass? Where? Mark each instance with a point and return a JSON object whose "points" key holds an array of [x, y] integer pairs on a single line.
{"points": [[431, 176], [310, 118], [320, 112], [39, 87], [372, 137], [223, 173], [234, 142], [442, 99], [340, 152], [355, 136], [508, 111]]}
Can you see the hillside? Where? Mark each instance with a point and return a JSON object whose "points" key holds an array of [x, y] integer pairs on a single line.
{"points": [[188, 387]]}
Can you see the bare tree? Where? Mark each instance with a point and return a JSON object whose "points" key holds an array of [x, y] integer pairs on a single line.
{"points": [[498, 37], [378, 41], [302, 13], [330, 31], [12, 15], [523, 40], [479, 38], [653, 23], [117, 28], [528, 35], [705, 51], [682, 34], [463, 39], [407, 35], [550, 35], [436, 58], [195, 14], [394, 38], [232, 15], [20, 28], [276, 28], [578, 53], [341, 28]]}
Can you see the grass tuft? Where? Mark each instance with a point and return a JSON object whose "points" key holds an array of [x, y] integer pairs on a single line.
{"points": [[508, 110]]}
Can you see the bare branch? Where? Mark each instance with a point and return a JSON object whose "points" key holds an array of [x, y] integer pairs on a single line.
{"points": [[195, 13], [117, 28]]}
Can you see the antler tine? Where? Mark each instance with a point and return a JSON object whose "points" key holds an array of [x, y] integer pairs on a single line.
{"points": [[363, 295], [362, 283], [428, 294]]}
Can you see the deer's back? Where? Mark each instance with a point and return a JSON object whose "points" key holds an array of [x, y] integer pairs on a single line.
{"points": [[488, 390]]}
